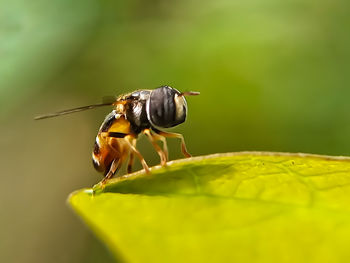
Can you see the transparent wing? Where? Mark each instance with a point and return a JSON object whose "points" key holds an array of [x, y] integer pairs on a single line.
{"points": [[106, 102]]}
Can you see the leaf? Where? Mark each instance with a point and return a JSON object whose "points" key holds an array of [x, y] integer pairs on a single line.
{"points": [[240, 207]]}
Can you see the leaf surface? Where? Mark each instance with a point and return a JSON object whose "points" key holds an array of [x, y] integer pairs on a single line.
{"points": [[239, 207]]}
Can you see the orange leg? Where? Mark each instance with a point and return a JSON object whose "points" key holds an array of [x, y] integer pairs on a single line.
{"points": [[162, 155], [115, 166], [165, 145], [131, 158], [176, 135], [129, 138], [131, 141]]}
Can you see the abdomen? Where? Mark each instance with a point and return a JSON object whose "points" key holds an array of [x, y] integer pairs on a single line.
{"points": [[107, 149]]}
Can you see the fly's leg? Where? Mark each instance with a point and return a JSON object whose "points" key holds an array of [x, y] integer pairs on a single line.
{"points": [[121, 159], [115, 166], [129, 138], [131, 158], [162, 155], [175, 135], [165, 145]]}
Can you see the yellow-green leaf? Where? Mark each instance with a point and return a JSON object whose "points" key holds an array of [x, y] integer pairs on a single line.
{"points": [[243, 207]]}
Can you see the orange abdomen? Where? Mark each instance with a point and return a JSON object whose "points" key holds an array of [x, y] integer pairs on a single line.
{"points": [[108, 149]]}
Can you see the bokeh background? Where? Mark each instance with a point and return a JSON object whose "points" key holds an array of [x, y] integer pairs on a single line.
{"points": [[273, 76]]}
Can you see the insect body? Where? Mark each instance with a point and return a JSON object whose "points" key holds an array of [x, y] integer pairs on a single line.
{"points": [[142, 111]]}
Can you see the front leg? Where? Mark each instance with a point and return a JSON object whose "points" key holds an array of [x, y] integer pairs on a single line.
{"points": [[175, 135], [162, 154], [165, 145]]}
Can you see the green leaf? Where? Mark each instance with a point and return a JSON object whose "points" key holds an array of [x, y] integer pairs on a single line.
{"points": [[244, 207]]}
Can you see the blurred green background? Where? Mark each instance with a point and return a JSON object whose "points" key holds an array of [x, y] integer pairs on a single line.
{"points": [[273, 76]]}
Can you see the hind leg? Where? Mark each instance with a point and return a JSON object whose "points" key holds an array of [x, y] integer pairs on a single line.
{"points": [[115, 166]]}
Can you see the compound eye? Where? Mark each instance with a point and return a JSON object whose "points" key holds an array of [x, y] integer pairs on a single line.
{"points": [[166, 108]]}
